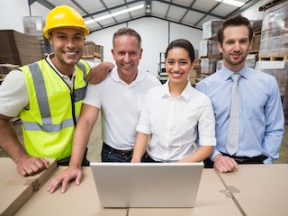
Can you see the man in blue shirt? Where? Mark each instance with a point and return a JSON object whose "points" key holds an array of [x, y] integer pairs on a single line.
{"points": [[260, 112]]}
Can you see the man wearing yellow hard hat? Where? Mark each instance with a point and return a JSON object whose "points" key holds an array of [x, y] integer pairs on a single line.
{"points": [[48, 96]]}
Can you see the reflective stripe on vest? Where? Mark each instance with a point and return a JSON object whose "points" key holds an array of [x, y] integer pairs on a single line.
{"points": [[43, 104]]}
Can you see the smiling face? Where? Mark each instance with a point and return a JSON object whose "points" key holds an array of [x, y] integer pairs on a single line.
{"points": [[127, 54], [68, 46], [178, 65], [235, 47]]}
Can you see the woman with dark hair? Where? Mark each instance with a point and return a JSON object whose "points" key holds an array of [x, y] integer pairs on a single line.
{"points": [[175, 115]]}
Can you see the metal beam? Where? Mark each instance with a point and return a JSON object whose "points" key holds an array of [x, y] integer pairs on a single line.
{"points": [[207, 13], [129, 11], [79, 6], [127, 21], [112, 8], [30, 2], [148, 7], [242, 8], [191, 9], [168, 9], [108, 10], [45, 4], [187, 11]]}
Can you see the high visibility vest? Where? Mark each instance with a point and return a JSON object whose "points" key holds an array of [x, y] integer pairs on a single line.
{"points": [[49, 122]]}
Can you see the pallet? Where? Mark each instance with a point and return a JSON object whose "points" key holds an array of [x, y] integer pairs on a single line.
{"points": [[273, 58], [270, 4], [254, 52]]}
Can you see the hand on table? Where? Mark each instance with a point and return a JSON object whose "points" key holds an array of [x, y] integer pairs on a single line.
{"points": [[27, 166], [225, 164], [64, 178]]}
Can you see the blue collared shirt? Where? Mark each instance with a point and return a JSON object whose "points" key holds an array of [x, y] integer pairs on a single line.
{"points": [[261, 112]]}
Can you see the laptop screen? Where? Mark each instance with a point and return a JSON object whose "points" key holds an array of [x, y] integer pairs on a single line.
{"points": [[147, 184]]}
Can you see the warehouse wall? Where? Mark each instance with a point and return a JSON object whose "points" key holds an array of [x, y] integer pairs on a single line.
{"points": [[155, 35], [11, 14], [13, 11]]}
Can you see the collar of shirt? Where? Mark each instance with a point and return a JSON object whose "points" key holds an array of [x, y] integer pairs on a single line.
{"points": [[69, 81], [185, 95], [115, 76], [57, 71], [225, 73]]}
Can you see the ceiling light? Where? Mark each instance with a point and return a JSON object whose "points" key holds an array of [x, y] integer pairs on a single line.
{"points": [[148, 9], [137, 7], [232, 2]]}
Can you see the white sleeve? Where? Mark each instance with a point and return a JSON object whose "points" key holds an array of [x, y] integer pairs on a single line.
{"points": [[144, 124], [206, 124], [13, 94], [93, 96]]}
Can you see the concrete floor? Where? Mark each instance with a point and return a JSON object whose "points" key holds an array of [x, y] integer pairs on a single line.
{"points": [[95, 144]]}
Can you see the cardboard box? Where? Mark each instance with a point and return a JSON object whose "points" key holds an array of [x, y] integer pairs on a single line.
{"points": [[211, 28], [278, 69], [18, 49], [208, 48], [91, 50], [255, 43], [259, 189], [274, 29], [76, 201], [6, 68], [212, 199], [208, 66], [15, 190]]}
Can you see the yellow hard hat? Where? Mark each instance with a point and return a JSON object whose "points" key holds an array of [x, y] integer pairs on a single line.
{"points": [[62, 17]]}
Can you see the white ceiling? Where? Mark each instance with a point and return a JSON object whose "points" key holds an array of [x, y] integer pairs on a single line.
{"points": [[191, 13]]}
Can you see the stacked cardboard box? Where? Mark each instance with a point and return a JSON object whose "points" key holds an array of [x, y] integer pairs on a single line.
{"points": [[33, 25], [210, 29], [5, 69], [251, 60], [208, 66], [91, 50], [18, 49], [208, 47], [278, 69], [257, 26], [274, 33], [195, 73]]}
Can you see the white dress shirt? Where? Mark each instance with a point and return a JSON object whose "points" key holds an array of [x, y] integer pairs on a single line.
{"points": [[120, 105], [173, 122]]}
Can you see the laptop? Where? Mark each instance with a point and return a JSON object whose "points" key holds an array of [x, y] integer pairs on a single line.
{"points": [[122, 185]]}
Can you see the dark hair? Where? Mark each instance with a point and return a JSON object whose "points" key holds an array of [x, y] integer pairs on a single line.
{"points": [[127, 31], [235, 21], [184, 44]]}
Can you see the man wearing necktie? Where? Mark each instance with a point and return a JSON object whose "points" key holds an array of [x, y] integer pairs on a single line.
{"points": [[247, 104]]}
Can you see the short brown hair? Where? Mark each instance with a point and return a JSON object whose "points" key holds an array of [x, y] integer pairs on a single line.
{"points": [[235, 21], [127, 31]]}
